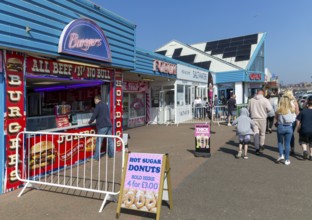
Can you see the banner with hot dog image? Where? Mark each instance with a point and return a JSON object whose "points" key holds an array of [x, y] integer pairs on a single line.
{"points": [[51, 152]]}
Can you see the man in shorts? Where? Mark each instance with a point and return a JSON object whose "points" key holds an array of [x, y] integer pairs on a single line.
{"points": [[304, 120]]}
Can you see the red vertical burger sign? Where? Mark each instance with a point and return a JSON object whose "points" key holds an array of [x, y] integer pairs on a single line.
{"points": [[14, 117]]}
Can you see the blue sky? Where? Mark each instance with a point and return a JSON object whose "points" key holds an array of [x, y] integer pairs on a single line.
{"points": [[288, 25]]}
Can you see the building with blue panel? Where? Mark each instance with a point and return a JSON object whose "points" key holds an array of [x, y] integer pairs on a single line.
{"points": [[165, 88], [55, 56], [239, 63]]}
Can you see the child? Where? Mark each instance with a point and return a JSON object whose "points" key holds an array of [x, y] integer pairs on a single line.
{"points": [[244, 130], [304, 120]]}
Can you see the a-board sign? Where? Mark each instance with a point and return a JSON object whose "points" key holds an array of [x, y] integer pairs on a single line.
{"points": [[202, 138], [143, 183]]}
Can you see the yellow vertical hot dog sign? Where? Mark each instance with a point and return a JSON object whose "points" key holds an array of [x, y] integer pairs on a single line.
{"points": [[145, 183]]}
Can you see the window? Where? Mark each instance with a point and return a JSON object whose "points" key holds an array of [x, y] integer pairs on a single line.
{"points": [[155, 96], [137, 105], [258, 64], [187, 95], [180, 95]]}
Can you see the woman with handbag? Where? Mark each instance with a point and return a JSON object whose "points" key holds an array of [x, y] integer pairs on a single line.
{"points": [[284, 118]]}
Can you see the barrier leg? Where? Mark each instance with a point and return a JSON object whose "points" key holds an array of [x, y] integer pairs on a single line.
{"points": [[28, 184], [103, 203]]}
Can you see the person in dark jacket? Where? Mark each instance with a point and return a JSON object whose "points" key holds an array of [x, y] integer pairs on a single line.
{"points": [[231, 109], [103, 126], [304, 120]]}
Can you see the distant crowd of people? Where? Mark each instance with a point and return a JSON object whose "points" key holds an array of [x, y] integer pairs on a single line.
{"points": [[258, 119], [202, 108]]}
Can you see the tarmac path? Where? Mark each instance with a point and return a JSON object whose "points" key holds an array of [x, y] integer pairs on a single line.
{"points": [[228, 188], [220, 187]]}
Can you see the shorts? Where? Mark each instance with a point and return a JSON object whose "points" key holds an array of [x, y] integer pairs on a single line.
{"points": [[232, 113], [305, 139], [244, 139]]}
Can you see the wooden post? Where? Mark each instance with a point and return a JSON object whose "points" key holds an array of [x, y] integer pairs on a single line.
{"points": [[121, 186]]}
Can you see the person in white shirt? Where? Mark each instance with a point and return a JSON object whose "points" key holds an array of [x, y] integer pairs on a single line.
{"points": [[198, 104]]}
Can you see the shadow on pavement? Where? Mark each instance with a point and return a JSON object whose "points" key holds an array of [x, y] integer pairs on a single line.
{"points": [[228, 151], [191, 151]]}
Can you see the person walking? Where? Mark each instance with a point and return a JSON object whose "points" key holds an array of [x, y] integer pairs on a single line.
{"points": [[284, 118], [231, 109], [216, 105], [294, 103], [205, 108], [103, 126], [198, 104], [244, 130], [258, 108], [304, 128], [271, 114]]}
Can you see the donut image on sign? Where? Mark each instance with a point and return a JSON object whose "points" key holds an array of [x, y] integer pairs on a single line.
{"points": [[139, 200]]}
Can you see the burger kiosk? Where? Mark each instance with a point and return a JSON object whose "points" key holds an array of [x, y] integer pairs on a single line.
{"points": [[50, 93]]}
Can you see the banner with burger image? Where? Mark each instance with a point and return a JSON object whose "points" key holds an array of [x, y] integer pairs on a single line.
{"points": [[51, 152]]}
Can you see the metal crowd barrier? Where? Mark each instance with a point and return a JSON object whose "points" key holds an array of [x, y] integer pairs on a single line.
{"points": [[239, 107], [193, 115], [65, 160], [219, 114]]}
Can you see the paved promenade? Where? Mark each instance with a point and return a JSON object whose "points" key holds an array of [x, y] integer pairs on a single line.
{"points": [[220, 187]]}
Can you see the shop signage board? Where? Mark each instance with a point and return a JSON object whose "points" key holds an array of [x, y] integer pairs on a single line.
{"points": [[15, 117], [255, 76], [191, 74], [37, 66], [62, 150], [135, 86], [84, 38], [145, 183], [164, 67], [202, 140]]}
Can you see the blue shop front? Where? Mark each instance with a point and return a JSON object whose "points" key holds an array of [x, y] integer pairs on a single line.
{"points": [[53, 61], [244, 84]]}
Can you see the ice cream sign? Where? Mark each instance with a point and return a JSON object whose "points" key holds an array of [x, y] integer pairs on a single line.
{"points": [[84, 38]]}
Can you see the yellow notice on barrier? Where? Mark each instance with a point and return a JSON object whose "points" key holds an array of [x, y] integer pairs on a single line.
{"points": [[145, 183]]}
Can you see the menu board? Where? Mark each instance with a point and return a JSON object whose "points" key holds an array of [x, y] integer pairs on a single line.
{"points": [[62, 121]]}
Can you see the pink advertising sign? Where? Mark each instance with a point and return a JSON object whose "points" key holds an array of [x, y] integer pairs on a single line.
{"points": [[142, 182], [202, 136]]}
